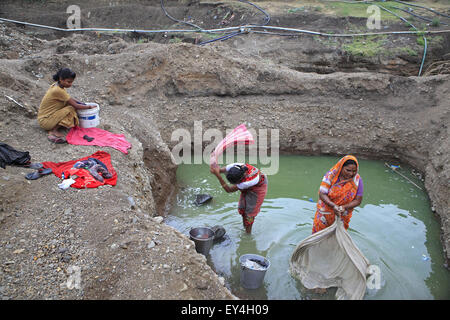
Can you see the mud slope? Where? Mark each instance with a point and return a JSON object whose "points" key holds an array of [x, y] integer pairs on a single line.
{"points": [[109, 236], [392, 54]]}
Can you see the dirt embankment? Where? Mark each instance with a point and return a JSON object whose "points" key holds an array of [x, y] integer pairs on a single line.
{"points": [[109, 239], [117, 244], [389, 53]]}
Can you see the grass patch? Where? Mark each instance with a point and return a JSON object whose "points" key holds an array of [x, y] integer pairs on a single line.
{"points": [[408, 51], [437, 40], [420, 33], [436, 22], [211, 36], [344, 9], [294, 10], [420, 41], [175, 40], [305, 9], [365, 46]]}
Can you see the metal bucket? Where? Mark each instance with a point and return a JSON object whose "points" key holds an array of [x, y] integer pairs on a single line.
{"points": [[252, 278], [203, 239]]}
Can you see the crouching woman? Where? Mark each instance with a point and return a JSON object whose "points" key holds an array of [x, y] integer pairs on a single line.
{"points": [[58, 109]]}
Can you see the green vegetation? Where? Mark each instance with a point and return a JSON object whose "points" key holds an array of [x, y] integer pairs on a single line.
{"points": [[294, 10], [435, 22], [365, 46], [210, 36], [408, 51], [437, 40], [348, 9], [344, 9], [305, 8], [175, 40], [420, 41]]}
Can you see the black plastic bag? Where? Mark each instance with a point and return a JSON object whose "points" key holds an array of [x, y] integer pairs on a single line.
{"points": [[9, 156], [202, 199]]}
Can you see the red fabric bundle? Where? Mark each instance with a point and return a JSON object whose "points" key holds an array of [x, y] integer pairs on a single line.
{"points": [[240, 135], [85, 179]]}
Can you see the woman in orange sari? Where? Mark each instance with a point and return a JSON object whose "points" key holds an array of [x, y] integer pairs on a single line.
{"points": [[340, 191]]}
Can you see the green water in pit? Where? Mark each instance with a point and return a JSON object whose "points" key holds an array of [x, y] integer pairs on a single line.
{"points": [[394, 228]]}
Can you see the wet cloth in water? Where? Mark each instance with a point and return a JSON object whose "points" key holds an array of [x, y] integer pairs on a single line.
{"points": [[9, 156], [330, 258], [101, 137], [84, 178]]}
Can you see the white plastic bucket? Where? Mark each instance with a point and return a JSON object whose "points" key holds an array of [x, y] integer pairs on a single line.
{"points": [[89, 118]]}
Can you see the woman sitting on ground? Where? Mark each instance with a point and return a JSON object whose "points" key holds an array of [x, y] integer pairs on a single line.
{"points": [[253, 186], [57, 109], [340, 191]]}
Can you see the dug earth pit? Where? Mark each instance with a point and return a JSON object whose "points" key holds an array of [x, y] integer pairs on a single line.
{"points": [[99, 244]]}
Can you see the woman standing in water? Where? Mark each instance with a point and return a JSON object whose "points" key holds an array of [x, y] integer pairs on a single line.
{"points": [[253, 186], [57, 109], [340, 191]]}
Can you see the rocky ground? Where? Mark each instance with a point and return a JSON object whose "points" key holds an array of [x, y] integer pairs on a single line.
{"points": [[111, 242]]}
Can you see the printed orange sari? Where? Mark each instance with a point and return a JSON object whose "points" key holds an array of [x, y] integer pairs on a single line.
{"points": [[340, 192]]}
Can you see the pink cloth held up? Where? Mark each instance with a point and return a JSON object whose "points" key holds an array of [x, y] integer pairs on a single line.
{"points": [[239, 135], [101, 137]]}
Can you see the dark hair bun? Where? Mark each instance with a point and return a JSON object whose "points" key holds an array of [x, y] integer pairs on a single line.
{"points": [[64, 73], [236, 173]]}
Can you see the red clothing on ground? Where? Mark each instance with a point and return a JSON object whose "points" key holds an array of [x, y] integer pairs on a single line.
{"points": [[85, 179], [101, 137]]}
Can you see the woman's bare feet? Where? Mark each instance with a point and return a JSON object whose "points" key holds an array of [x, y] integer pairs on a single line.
{"points": [[55, 132]]}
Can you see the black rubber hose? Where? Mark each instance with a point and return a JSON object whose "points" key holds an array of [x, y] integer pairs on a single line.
{"points": [[398, 16], [267, 18], [225, 37], [277, 33], [423, 36], [176, 20], [429, 9], [417, 16]]}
